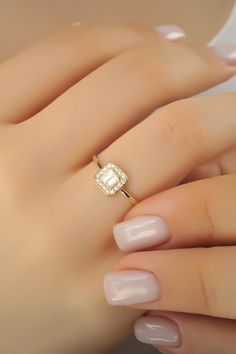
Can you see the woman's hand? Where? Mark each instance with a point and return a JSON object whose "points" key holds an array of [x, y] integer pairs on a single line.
{"points": [[62, 101], [188, 274]]}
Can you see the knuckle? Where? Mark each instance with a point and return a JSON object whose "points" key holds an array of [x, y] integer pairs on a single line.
{"points": [[113, 39], [210, 233], [182, 126], [139, 64], [227, 185]]}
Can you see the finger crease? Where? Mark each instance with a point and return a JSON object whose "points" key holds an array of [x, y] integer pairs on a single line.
{"points": [[211, 229], [204, 290]]}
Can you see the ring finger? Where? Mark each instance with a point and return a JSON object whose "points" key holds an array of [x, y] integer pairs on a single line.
{"points": [[156, 154]]}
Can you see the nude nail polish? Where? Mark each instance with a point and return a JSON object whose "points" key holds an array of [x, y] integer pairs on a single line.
{"points": [[157, 331], [131, 287], [170, 32], [226, 52], [141, 232]]}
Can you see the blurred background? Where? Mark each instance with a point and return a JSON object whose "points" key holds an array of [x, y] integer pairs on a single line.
{"points": [[26, 21]]}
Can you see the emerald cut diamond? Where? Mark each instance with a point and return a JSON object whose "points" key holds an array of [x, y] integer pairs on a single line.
{"points": [[110, 179]]}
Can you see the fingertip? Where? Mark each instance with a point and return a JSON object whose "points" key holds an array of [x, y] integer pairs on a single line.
{"points": [[141, 232], [158, 331]]}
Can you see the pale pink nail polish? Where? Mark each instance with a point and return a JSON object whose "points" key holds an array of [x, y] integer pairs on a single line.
{"points": [[141, 232], [131, 287], [171, 32], [157, 331], [226, 52]]}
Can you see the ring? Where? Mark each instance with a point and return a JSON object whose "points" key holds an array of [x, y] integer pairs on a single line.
{"points": [[111, 179]]}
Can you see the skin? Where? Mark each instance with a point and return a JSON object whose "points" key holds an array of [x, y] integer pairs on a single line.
{"points": [[55, 223], [201, 217]]}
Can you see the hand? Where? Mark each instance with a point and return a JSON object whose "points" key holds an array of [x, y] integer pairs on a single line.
{"points": [[72, 96], [185, 274]]}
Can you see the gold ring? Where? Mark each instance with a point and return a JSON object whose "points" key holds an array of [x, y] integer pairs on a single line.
{"points": [[111, 179]]}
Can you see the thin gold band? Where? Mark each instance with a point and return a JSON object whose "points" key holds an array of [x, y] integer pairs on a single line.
{"points": [[123, 191]]}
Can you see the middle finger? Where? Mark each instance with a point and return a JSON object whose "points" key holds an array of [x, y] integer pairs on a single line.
{"points": [[93, 113]]}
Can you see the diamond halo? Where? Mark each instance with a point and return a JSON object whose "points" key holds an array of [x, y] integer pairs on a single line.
{"points": [[110, 179]]}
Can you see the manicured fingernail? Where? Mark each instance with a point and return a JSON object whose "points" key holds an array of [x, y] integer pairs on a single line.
{"points": [[141, 232], [131, 287], [171, 32], [157, 331], [226, 52]]}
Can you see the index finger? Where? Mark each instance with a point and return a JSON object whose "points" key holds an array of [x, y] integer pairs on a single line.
{"points": [[34, 78]]}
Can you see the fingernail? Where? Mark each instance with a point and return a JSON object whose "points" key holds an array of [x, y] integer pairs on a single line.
{"points": [[157, 331], [226, 52], [171, 32], [131, 287], [141, 232]]}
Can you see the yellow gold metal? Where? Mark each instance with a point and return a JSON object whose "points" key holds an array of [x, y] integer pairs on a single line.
{"points": [[127, 195], [110, 191], [95, 159]]}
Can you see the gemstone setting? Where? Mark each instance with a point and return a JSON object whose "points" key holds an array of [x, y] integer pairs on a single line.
{"points": [[110, 179]]}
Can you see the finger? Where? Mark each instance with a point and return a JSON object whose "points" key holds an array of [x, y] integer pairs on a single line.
{"points": [[172, 141], [200, 213], [155, 155], [178, 333], [196, 280], [221, 165], [121, 93], [34, 78]]}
